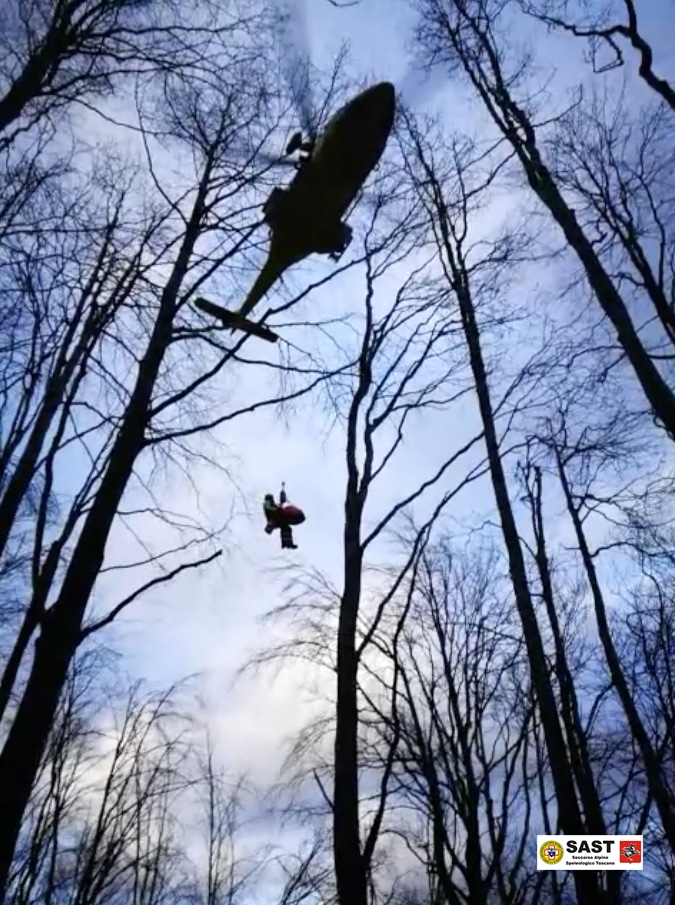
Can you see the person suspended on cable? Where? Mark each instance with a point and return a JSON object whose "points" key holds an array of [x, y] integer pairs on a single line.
{"points": [[282, 516]]}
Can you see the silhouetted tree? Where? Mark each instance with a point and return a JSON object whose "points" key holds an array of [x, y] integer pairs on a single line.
{"points": [[469, 37], [576, 460], [405, 362], [449, 209], [130, 379], [464, 777], [57, 53], [610, 28]]}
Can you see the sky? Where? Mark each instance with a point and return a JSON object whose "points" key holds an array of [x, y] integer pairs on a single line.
{"points": [[207, 624], [163, 638]]}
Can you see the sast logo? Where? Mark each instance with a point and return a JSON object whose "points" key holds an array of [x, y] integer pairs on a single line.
{"points": [[588, 851]]}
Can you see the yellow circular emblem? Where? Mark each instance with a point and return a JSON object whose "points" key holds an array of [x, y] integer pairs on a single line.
{"points": [[551, 852]]}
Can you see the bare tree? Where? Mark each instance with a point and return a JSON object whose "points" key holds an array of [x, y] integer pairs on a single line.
{"points": [[55, 54], [100, 812], [469, 36], [133, 804], [407, 362], [576, 463], [608, 28], [449, 207], [135, 385], [645, 636], [615, 164], [464, 782], [67, 286], [572, 656]]}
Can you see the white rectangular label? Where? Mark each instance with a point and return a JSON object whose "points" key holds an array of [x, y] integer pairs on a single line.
{"points": [[587, 852]]}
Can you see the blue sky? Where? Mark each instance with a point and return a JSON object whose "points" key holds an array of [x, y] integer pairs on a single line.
{"points": [[207, 624]]}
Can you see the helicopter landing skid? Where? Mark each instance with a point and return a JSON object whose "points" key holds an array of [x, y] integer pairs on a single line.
{"points": [[236, 321]]}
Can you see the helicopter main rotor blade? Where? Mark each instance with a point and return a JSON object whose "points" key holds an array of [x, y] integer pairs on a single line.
{"points": [[294, 43], [420, 83], [273, 160]]}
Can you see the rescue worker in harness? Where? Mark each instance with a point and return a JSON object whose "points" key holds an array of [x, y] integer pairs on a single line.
{"points": [[283, 517]]}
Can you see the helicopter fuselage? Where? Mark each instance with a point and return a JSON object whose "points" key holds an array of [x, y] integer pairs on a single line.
{"points": [[306, 217], [310, 215]]}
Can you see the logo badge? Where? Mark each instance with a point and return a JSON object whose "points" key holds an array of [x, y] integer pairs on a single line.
{"points": [[630, 851], [551, 852]]}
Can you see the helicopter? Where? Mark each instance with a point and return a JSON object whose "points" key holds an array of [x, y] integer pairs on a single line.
{"points": [[306, 217]]}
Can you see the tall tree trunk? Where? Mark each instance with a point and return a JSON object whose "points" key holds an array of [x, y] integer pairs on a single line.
{"points": [[664, 801], [571, 821], [470, 37], [350, 868], [577, 742], [588, 890], [61, 628]]}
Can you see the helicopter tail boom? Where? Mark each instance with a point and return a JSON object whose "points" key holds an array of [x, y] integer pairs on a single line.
{"points": [[276, 264], [267, 277], [235, 321]]}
